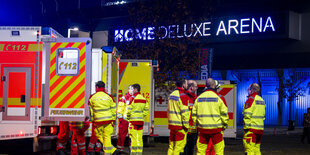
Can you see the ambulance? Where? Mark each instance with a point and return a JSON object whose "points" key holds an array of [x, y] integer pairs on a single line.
{"points": [[141, 72], [227, 89], [46, 78], [118, 74]]}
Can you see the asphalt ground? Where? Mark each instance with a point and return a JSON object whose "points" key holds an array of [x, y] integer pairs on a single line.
{"points": [[271, 145], [275, 141]]}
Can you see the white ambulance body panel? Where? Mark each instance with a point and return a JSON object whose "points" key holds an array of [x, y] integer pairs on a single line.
{"points": [[96, 68], [19, 33], [21, 119]]}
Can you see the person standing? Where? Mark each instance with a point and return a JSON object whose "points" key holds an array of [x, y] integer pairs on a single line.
{"points": [[210, 113], [178, 116], [104, 111], [123, 122], [94, 145], [192, 132], [306, 124], [253, 120], [62, 137], [78, 145], [136, 111]]}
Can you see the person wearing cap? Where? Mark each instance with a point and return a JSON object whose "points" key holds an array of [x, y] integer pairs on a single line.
{"points": [[103, 108], [210, 114], [178, 118], [137, 110], [122, 118], [253, 120], [192, 131]]}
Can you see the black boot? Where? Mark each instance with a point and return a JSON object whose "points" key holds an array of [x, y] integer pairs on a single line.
{"points": [[89, 153], [116, 152], [61, 152], [97, 153]]}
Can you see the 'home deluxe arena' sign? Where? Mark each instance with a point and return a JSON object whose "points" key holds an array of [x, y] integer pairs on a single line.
{"points": [[215, 30]]}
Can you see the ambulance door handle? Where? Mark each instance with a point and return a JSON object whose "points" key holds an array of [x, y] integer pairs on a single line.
{"points": [[2, 109], [3, 78], [22, 98]]}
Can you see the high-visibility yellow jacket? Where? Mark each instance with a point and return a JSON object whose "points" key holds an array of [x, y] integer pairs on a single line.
{"points": [[178, 111], [122, 106], [102, 107], [210, 112], [137, 109], [254, 113], [192, 97]]}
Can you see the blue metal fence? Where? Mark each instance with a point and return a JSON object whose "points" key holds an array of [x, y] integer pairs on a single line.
{"points": [[269, 81]]}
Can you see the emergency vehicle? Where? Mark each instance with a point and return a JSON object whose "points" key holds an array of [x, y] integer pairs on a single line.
{"points": [[46, 78], [118, 74], [105, 66], [162, 93], [141, 72]]}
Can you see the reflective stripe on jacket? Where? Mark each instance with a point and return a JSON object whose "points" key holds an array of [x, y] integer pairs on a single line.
{"points": [[210, 112], [254, 113], [178, 112], [192, 98], [122, 105], [103, 107], [76, 124], [137, 110]]}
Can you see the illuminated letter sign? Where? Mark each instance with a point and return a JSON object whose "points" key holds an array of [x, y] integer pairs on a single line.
{"points": [[244, 25], [209, 29]]}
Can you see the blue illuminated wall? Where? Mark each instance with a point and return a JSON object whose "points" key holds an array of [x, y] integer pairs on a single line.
{"points": [[269, 81]]}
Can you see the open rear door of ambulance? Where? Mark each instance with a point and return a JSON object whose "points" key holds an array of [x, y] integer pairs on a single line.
{"points": [[68, 78], [140, 72], [229, 92]]}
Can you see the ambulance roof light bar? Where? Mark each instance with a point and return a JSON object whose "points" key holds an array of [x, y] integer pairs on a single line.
{"points": [[51, 32], [155, 64], [113, 50]]}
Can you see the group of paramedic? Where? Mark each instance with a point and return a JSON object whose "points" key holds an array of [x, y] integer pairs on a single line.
{"points": [[208, 115], [132, 109]]}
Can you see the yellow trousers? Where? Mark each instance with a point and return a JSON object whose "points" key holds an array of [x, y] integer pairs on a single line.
{"points": [[217, 139], [251, 143], [104, 133], [177, 142], [136, 138]]}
